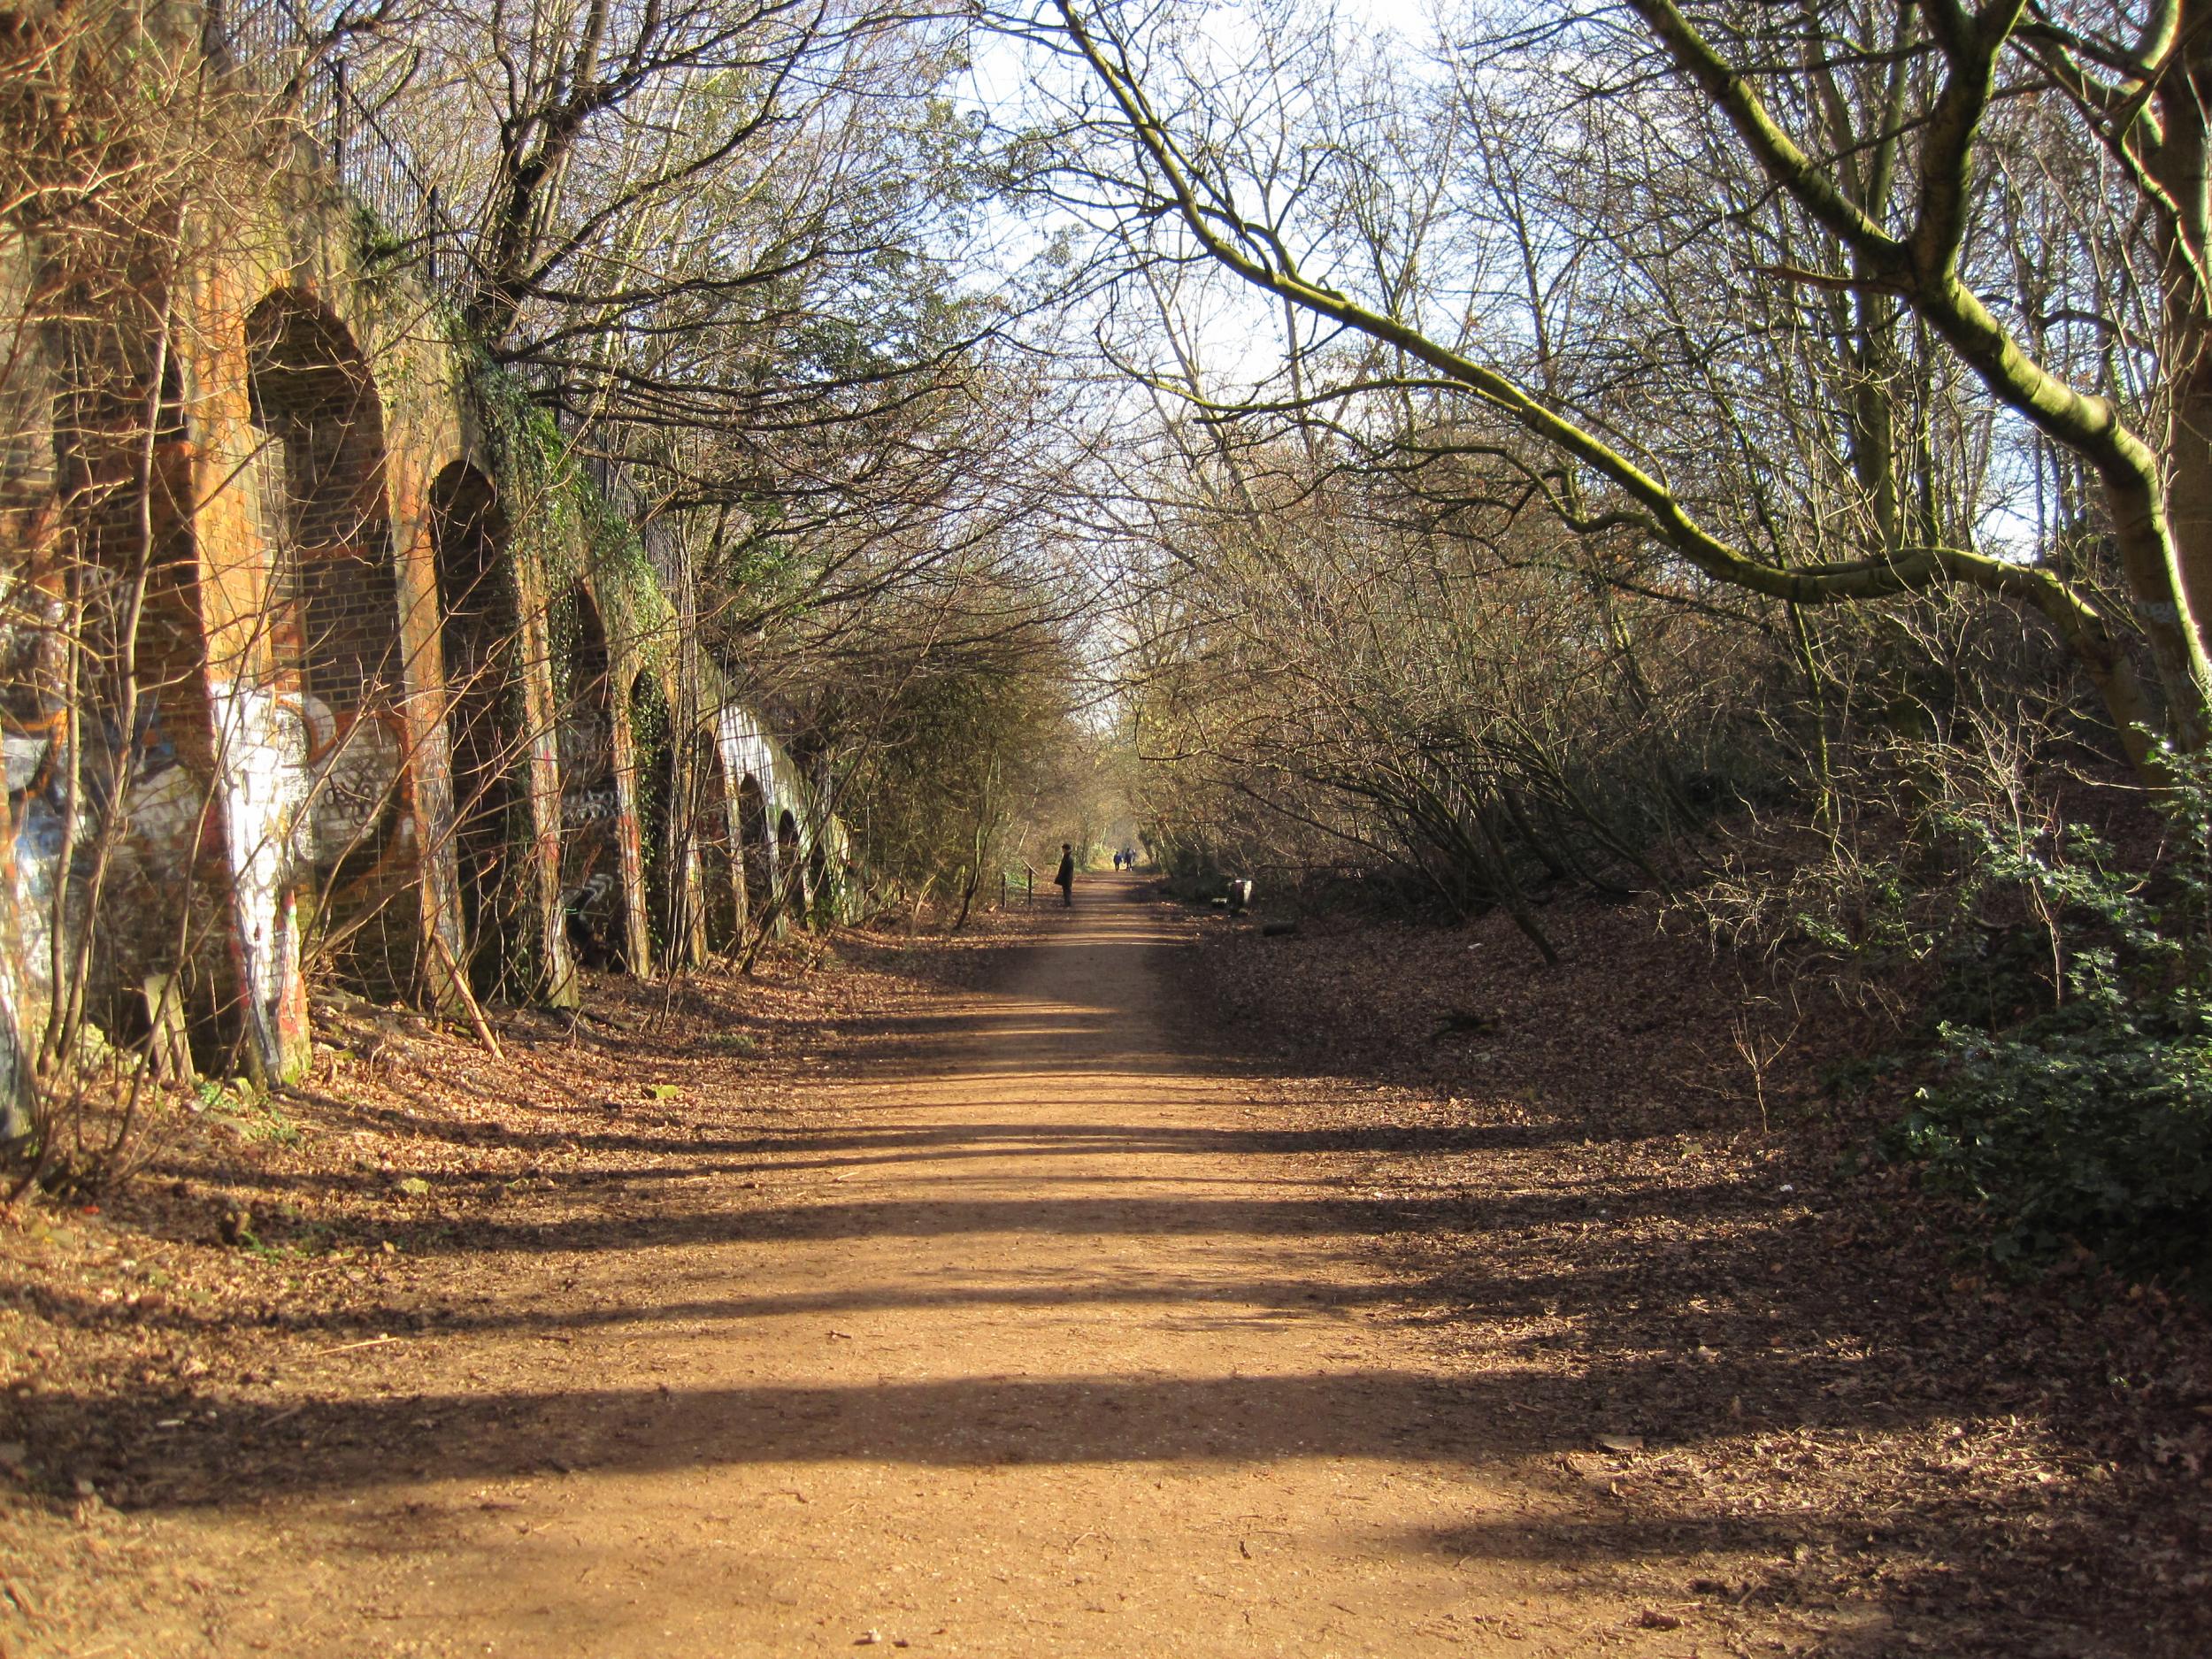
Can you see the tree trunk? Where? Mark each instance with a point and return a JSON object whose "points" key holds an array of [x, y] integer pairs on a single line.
{"points": [[2184, 169]]}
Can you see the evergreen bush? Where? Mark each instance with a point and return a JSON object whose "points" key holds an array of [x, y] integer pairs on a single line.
{"points": [[2090, 1122]]}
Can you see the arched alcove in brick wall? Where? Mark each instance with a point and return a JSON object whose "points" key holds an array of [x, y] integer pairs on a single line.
{"points": [[651, 744], [114, 542], [591, 857], [817, 870], [479, 631], [753, 843], [334, 618], [706, 825], [323, 506], [791, 866], [167, 771]]}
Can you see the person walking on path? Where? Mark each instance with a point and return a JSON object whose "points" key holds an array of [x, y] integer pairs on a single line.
{"points": [[1065, 879]]}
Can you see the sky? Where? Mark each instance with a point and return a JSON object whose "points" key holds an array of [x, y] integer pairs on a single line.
{"points": [[1239, 336]]}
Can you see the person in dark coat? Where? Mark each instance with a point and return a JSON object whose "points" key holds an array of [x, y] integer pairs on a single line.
{"points": [[1065, 879]]}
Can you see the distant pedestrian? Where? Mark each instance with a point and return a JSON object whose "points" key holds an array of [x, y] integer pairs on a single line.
{"points": [[1065, 879]]}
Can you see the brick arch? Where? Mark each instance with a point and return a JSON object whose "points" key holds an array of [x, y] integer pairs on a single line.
{"points": [[653, 786], [819, 870], [707, 824], [791, 860], [335, 610], [323, 505], [592, 887], [480, 635], [756, 844], [71, 517]]}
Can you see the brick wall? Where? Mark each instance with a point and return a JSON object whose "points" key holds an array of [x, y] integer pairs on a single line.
{"points": [[337, 590]]}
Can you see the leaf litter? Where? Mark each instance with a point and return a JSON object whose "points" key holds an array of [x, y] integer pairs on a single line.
{"points": [[1790, 1392]]}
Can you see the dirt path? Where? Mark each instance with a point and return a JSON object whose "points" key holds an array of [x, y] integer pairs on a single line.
{"points": [[1042, 1349]]}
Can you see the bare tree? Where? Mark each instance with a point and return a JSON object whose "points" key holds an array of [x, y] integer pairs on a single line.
{"points": [[1850, 181]]}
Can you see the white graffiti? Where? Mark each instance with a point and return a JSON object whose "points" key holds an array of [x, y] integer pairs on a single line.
{"points": [[261, 768], [580, 807], [353, 768], [26, 757], [748, 752]]}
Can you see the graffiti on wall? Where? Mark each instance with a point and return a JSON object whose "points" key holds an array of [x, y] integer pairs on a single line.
{"points": [[263, 782], [749, 756], [351, 764], [164, 814], [297, 791], [591, 815]]}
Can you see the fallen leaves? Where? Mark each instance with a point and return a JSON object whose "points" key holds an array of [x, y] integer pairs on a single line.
{"points": [[1801, 1411]]}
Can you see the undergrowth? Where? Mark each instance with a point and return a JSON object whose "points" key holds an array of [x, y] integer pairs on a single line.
{"points": [[2050, 981], [2089, 1121]]}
